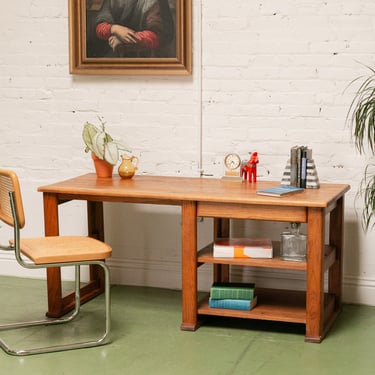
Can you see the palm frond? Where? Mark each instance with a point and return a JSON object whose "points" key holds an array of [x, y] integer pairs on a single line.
{"points": [[367, 192], [361, 118]]}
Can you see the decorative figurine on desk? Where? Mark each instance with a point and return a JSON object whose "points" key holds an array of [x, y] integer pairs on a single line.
{"points": [[249, 169], [232, 163]]}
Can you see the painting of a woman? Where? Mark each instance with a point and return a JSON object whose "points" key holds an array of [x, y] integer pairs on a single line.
{"points": [[131, 28]]}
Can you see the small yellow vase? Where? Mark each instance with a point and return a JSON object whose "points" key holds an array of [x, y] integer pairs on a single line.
{"points": [[128, 166]]}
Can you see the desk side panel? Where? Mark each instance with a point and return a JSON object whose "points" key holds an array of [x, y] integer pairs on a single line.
{"points": [[252, 212]]}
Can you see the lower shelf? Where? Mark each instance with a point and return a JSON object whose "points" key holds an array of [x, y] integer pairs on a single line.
{"points": [[273, 304]]}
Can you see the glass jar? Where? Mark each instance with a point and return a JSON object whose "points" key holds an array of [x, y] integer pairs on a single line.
{"points": [[293, 244]]}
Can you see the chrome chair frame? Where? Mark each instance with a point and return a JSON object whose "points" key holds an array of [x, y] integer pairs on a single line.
{"points": [[103, 339]]}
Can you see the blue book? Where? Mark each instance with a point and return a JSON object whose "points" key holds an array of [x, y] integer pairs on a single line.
{"points": [[233, 304], [280, 191]]}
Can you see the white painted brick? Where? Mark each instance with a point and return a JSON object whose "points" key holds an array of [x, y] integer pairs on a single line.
{"points": [[275, 73]]}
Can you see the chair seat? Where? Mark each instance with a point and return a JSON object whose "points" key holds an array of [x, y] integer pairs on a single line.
{"points": [[64, 249]]}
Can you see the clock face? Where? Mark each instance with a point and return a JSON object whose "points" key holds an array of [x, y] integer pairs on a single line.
{"points": [[232, 161]]}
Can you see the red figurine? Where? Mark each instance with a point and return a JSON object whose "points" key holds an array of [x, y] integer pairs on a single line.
{"points": [[249, 171]]}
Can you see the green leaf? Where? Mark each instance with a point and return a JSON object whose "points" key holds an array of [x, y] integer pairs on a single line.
{"points": [[98, 145], [361, 117], [88, 133], [111, 153], [122, 146]]}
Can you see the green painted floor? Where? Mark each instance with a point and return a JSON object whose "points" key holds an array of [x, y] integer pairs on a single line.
{"points": [[146, 339]]}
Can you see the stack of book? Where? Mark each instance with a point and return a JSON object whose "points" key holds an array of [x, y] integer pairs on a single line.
{"points": [[235, 296], [300, 170], [299, 155]]}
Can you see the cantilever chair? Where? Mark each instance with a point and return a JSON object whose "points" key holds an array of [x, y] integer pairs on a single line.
{"points": [[58, 251]]}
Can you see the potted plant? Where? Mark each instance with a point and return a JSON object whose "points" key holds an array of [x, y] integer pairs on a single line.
{"points": [[104, 149], [361, 117]]}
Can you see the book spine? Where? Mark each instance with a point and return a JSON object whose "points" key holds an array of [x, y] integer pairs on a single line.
{"points": [[294, 166], [303, 167], [220, 292], [299, 163], [233, 304]]}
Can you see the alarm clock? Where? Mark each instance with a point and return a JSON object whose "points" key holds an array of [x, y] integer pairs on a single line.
{"points": [[232, 164]]}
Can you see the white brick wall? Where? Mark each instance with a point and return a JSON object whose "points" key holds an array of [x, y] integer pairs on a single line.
{"points": [[273, 73]]}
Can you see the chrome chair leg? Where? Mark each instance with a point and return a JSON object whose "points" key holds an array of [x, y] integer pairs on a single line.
{"points": [[49, 321]]}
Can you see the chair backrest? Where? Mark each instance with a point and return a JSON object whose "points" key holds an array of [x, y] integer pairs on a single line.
{"points": [[9, 184]]}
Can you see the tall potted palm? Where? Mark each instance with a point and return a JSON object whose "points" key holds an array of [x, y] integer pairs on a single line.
{"points": [[361, 117]]}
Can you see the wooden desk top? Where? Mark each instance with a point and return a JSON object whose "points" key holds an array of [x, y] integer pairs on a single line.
{"points": [[174, 190]]}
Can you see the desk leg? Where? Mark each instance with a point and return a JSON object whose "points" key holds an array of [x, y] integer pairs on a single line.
{"points": [[51, 228], [336, 239], [315, 276], [189, 267], [58, 304], [95, 285], [95, 222], [221, 229]]}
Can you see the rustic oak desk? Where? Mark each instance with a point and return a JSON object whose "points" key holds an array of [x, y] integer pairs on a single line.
{"points": [[221, 200]]}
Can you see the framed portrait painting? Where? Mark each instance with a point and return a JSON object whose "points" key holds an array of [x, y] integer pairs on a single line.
{"points": [[130, 37]]}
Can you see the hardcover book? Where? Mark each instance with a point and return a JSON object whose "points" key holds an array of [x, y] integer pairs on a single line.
{"points": [[243, 248], [232, 290], [280, 191], [294, 166], [299, 155], [233, 304]]}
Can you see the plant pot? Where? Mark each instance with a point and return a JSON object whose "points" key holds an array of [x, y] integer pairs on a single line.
{"points": [[102, 168]]}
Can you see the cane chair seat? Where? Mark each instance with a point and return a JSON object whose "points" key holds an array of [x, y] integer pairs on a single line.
{"points": [[60, 249]]}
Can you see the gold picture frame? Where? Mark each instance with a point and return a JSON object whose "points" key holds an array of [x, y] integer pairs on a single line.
{"points": [[168, 53]]}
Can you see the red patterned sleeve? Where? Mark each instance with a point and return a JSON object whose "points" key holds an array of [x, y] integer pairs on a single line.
{"points": [[103, 30], [148, 39]]}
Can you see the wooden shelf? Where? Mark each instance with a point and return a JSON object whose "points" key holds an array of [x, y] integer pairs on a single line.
{"points": [[273, 304], [280, 305], [205, 255]]}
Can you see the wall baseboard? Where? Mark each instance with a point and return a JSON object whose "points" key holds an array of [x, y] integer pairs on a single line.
{"points": [[167, 274]]}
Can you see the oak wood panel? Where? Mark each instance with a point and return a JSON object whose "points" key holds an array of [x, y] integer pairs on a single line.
{"points": [[252, 211], [223, 200], [273, 304], [205, 255], [173, 189], [95, 225], [51, 228], [315, 274], [336, 238], [189, 262], [221, 229]]}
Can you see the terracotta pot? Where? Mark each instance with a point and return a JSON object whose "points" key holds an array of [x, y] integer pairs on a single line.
{"points": [[102, 168]]}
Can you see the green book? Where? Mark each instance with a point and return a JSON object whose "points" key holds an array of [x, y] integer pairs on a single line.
{"points": [[232, 291], [232, 304]]}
